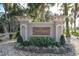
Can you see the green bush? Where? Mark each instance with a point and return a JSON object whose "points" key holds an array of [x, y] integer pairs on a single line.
{"points": [[75, 33], [41, 41], [62, 40], [26, 43], [20, 39]]}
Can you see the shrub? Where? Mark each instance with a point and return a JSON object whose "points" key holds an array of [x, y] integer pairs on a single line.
{"points": [[41, 41], [62, 40], [26, 43], [20, 39], [75, 33]]}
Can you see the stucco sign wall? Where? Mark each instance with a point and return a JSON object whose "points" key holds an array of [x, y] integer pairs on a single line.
{"points": [[52, 29]]}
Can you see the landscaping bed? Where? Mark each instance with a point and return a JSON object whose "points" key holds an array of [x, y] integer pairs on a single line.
{"points": [[9, 49], [54, 50], [43, 45]]}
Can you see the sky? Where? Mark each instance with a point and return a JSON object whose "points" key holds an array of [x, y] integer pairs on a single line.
{"points": [[1, 8]]}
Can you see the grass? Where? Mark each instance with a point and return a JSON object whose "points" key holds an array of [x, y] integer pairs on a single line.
{"points": [[72, 32]]}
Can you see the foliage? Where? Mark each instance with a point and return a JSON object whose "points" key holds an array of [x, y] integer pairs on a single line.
{"points": [[1, 28], [20, 39], [26, 43], [62, 40], [10, 10], [44, 42], [75, 33], [37, 11], [57, 44], [66, 7], [13, 9], [13, 35], [40, 41]]}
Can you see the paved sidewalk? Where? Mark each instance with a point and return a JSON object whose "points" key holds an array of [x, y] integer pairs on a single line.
{"points": [[75, 43]]}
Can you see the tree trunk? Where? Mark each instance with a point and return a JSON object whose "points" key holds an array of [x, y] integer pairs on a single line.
{"points": [[75, 13], [67, 20], [5, 8]]}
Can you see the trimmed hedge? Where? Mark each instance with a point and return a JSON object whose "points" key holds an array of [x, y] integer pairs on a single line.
{"points": [[62, 40], [40, 41], [20, 39]]}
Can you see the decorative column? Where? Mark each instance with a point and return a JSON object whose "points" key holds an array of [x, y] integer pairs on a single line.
{"points": [[59, 31], [24, 30], [59, 25], [23, 26]]}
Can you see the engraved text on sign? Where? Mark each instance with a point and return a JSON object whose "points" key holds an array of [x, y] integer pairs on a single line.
{"points": [[41, 30]]}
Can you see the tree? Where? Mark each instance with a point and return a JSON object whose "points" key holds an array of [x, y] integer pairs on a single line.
{"points": [[66, 7], [67, 19], [48, 16], [37, 11], [75, 15], [11, 10], [71, 22]]}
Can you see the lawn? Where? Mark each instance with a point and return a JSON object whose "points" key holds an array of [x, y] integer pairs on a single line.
{"points": [[72, 32]]}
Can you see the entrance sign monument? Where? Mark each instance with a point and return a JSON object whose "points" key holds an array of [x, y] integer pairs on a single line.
{"points": [[52, 29]]}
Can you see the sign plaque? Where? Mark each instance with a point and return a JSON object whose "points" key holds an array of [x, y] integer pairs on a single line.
{"points": [[41, 30]]}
